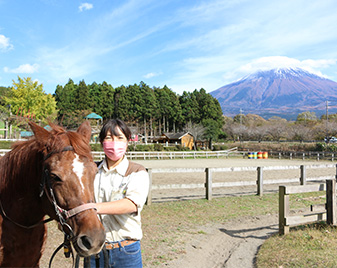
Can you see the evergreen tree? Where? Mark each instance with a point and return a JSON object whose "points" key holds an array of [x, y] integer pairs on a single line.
{"points": [[82, 96], [190, 108]]}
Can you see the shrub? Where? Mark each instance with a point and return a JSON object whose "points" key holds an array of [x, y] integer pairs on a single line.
{"points": [[219, 147], [169, 148], [5, 144], [144, 147], [323, 147], [96, 147], [320, 147], [182, 148], [158, 147]]}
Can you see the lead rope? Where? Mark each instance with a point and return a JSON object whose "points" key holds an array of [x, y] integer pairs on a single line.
{"points": [[87, 263], [67, 251]]}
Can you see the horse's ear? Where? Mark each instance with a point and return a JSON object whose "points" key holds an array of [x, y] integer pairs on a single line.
{"points": [[40, 133], [85, 130]]}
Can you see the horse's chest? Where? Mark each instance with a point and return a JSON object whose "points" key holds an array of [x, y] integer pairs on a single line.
{"points": [[20, 247]]}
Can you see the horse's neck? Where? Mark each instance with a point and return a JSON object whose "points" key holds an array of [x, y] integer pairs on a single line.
{"points": [[20, 198]]}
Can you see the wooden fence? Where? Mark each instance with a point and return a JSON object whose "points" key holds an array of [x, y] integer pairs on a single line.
{"points": [[208, 186], [325, 212]]}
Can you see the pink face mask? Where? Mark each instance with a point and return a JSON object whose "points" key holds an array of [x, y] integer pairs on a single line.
{"points": [[114, 150]]}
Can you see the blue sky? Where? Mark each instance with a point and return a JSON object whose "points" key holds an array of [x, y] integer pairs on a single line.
{"points": [[185, 45]]}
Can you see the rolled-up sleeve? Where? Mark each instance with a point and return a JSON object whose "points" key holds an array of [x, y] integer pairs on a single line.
{"points": [[138, 188]]}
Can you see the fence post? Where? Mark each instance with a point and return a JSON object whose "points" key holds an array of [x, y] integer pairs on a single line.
{"points": [[149, 196], [303, 178], [283, 210], [208, 184], [260, 181], [331, 202]]}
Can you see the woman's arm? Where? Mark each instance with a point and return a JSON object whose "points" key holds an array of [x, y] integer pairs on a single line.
{"points": [[123, 206]]}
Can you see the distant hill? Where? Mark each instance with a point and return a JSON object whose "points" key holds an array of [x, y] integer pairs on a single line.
{"points": [[280, 92]]}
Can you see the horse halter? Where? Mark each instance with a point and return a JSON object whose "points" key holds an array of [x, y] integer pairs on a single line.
{"points": [[62, 214]]}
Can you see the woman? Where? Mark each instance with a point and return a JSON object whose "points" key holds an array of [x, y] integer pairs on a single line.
{"points": [[121, 189]]}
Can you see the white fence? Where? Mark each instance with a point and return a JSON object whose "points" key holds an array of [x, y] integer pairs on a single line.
{"points": [[167, 155], [175, 155]]}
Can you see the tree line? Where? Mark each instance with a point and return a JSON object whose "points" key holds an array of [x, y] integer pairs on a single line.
{"points": [[151, 110], [307, 127]]}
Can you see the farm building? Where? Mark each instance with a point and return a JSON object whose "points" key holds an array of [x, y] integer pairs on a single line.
{"points": [[185, 139]]}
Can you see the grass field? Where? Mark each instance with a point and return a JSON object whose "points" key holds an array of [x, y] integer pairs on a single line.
{"points": [[305, 246], [2, 126]]}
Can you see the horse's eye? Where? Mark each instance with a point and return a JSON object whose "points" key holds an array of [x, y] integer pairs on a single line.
{"points": [[55, 178]]}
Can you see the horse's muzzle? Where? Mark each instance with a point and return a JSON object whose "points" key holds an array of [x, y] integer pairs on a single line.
{"points": [[89, 244]]}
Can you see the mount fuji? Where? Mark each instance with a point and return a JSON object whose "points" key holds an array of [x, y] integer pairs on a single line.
{"points": [[280, 92]]}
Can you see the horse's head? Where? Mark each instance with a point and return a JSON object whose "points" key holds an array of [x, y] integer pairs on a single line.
{"points": [[67, 185]]}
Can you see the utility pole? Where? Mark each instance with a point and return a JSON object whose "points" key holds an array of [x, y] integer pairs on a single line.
{"points": [[327, 118], [240, 116]]}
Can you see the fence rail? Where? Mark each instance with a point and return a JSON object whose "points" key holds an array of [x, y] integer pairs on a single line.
{"points": [[324, 212], [233, 152], [209, 185], [166, 155]]}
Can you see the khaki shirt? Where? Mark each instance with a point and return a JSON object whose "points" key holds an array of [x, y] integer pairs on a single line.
{"points": [[127, 180]]}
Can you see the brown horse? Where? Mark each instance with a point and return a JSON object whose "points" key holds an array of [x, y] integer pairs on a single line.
{"points": [[51, 173]]}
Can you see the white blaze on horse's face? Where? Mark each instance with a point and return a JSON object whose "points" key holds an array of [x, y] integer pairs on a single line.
{"points": [[78, 168]]}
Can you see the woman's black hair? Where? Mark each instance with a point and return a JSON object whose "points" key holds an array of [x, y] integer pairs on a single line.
{"points": [[112, 125]]}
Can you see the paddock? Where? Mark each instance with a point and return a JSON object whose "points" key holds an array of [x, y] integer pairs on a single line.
{"points": [[186, 178], [162, 195]]}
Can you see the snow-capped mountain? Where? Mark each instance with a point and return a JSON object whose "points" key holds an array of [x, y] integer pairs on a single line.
{"points": [[282, 92]]}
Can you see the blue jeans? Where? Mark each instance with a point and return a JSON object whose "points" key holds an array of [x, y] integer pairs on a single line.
{"points": [[129, 256]]}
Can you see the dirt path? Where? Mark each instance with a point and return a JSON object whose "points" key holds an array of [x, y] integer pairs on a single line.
{"points": [[231, 245]]}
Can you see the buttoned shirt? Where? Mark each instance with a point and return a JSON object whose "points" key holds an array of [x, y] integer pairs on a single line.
{"points": [[115, 184]]}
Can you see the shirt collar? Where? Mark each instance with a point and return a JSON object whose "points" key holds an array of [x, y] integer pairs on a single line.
{"points": [[120, 169]]}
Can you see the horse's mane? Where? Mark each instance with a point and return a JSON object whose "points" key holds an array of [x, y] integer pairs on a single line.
{"points": [[28, 155]]}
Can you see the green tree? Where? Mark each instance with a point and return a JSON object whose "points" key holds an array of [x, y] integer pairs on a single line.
{"points": [[149, 107], [65, 101], [4, 109], [190, 108], [212, 131], [209, 107], [101, 99], [28, 99], [82, 96], [128, 101], [169, 108]]}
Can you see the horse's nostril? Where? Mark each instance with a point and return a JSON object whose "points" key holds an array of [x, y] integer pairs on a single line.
{"points": [[85, 242]]}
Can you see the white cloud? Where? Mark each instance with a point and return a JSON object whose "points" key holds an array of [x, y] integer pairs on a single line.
{"points": [[85, 6], [23, 69], [4, 43], [150, 75]]}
